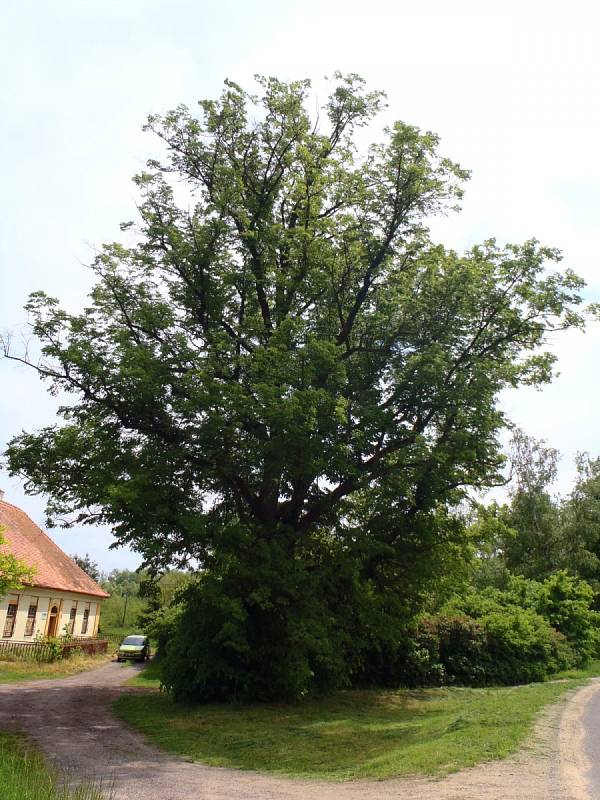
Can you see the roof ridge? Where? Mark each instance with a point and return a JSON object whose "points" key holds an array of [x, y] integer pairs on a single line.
{"points": [[57, 550], [43, 532], [12, 505]]}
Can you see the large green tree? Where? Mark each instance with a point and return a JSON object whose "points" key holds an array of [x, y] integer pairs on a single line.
{"points": [[280, 375]]}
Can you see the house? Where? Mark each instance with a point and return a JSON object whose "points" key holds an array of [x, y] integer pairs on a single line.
{"points": [[62, 597]]}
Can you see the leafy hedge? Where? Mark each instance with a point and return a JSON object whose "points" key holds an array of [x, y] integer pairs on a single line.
{"points": [[502, 648], [525, 633]]}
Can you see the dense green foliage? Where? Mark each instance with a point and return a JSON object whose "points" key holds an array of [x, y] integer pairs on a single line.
{"points": [[525, 633], [504, 647], [580, 522], [535, 577], [284, 379], [138, 601]]}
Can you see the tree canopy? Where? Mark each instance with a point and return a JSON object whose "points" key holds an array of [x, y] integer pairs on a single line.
{"points": [[281, 376]]}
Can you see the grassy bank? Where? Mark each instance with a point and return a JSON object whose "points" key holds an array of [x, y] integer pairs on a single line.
{"points": [[24, 775], [11, 671], [370, 734]]}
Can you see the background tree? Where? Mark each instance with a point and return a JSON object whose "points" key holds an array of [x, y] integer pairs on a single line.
{"points": [[89, 566], [537, 533], [120, 612], [491, 536], [161, 595], [580, 519], [538, 549], [123, 581], [281, 344]]}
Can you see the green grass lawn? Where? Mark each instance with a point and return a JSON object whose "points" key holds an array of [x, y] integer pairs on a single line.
{"points": [[147, 678], [11, 671], [24, 775], [353, 734]]}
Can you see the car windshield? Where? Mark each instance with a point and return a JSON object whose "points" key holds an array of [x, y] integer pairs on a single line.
{"points": [[139, 640]]}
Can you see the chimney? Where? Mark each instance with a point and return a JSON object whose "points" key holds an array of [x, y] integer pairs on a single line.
{"points": [[1, 495]]}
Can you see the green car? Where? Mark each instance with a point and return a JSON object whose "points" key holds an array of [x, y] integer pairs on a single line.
{"points": [[135, 647]]}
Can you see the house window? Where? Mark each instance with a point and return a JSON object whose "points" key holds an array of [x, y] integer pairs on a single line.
{"points": [[11, 617], [84, 624], [71, 625], [30, 624]]}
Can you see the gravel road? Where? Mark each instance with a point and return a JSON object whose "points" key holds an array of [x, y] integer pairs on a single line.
{"points": [[71, 721], [591, 743]]}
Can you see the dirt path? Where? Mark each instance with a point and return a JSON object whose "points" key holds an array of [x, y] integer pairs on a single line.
{"points": [[581, 750], [70, 720], [591, 727]]}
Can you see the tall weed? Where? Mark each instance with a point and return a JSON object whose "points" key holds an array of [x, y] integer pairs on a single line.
{"points": [[24, 775]]}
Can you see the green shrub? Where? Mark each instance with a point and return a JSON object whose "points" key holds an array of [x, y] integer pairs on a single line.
{"points": [[566, 602], [462, 649], [505, 645], [160, 626], [443, 650], [519, 646], [54, 647]]}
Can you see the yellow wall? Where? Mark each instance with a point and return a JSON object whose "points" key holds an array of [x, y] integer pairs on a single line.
{"points": [[44, 598]]}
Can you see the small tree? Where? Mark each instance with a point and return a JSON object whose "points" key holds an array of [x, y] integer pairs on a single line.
{"points": [[286, 380], [538, 548], [90, 567], [580, 517], [14, 574]]}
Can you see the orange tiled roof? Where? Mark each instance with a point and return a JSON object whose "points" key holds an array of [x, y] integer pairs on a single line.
{"points": [[53, 568]]}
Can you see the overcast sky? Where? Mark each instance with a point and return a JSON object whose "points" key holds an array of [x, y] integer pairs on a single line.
{"points": [[512, 88]]}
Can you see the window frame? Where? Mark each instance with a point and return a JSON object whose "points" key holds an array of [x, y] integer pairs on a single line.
{"points": [[11, 619], [31, 618], [72, 618], [86, 620]]}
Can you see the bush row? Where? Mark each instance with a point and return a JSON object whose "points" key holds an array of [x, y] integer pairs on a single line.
{"points": [[523, 634], [215, 650], [506, 648]]}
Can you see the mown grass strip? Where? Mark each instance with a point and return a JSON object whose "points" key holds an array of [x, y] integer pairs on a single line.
{"points": [[353, 734], [24, 775]]}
